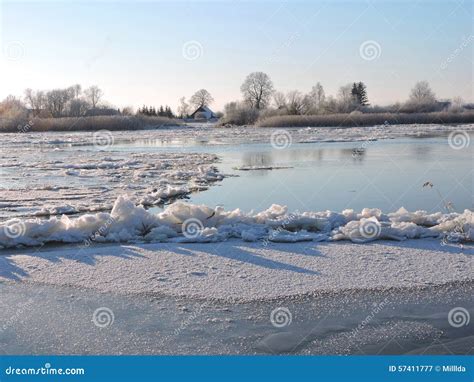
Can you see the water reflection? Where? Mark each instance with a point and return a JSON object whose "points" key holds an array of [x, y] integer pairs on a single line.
{"points": [[335, 176], [315, 156], [422, 152], [254, 159]]}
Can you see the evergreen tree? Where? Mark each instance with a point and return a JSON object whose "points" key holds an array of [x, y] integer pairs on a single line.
{"points": [[359, 93], [362, 92], [355, 93]]}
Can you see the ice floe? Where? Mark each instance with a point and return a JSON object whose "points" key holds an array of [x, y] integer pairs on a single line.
{"points": [[79, 182], [183, 222]]}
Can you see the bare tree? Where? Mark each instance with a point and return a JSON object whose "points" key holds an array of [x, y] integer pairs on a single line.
{"points": [[297, 103], [35, 100], [76, 90], [317, 96], [346, 102], [330, 105], [93, 95], [457, 105], [78, 107], [257, 90], [201, 98], [422, 94], [279, 99], [56, 101], [183, 108], [127, 110]]}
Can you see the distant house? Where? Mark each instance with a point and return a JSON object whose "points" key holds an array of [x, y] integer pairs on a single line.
{"points": [[443, 104], [203, 112], [101, 111]]}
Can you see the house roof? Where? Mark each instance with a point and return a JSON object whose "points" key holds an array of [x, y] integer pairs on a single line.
{"points": [[202, 109]]}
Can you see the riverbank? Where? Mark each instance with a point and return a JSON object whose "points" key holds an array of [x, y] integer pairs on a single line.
{"points": [[137, 123], [97, 123], [366, 119]]}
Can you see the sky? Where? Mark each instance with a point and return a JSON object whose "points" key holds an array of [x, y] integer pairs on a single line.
{"points": [[155, 52]]}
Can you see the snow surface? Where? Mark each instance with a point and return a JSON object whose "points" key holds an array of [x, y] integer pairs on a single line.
{"points": [[237, 271]]}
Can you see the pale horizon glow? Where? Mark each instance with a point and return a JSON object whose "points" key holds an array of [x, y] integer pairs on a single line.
{"points": [[135, 51]]}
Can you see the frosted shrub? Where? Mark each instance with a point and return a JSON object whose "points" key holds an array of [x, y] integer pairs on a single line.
{"points": [[237, 113]]}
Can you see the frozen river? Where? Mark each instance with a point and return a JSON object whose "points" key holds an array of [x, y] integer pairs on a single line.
{"points": [[44, 175], [384, 174], [46, 320], [50, 174]]}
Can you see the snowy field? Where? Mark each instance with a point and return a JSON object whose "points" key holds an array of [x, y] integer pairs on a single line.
{"points": [[91, 215]]}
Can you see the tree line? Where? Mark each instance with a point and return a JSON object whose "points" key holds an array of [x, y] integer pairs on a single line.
{"points": [[152, 111], [71, 101], [259, 98]]}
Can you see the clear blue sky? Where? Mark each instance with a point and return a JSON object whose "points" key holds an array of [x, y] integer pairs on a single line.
{"points": [[134, 50]]}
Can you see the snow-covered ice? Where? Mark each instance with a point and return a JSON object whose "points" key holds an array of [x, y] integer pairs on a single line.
{"points": [[234, 270], [79, 182]]}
